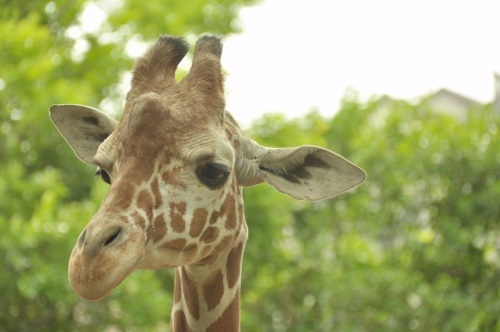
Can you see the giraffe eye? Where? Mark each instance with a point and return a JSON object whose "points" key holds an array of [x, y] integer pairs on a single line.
{"points": [[103, 175], [213, 175]]}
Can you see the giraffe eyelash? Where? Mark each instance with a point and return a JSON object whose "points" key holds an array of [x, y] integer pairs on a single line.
{"points": [[103, 175]]}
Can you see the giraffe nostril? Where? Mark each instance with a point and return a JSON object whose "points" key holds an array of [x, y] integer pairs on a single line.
{"points": [[112, 237], [81, 238]]}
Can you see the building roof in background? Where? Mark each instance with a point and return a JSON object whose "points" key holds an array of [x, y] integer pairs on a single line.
{"points": [[461, 99]]}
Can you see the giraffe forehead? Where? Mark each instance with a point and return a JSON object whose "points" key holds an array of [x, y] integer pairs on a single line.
{"points": [[153, 129], [178, 104], [155, 117]]}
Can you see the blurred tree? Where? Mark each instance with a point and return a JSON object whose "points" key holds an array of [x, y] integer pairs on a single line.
{"points": [[72, 52], [417, 247]]}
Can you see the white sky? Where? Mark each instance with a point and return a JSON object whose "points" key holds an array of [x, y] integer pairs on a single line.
{"points": [[294, 55]]}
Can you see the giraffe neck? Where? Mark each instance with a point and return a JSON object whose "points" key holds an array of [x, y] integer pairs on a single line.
{"points": [[207, 294]]}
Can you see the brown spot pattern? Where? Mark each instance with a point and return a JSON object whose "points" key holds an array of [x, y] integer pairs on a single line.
{"points": [[180, 322], [198, 222], [139, 220], [172, 177], [158, 201], [150, 232], [233, 265], [190, 294], [214, 216], [177, 211], [229, 210], [223, 243], [177, 286], [210, 234], [159, 229], [178, 244], [145, 203], [230, 318], [213, 290], [119, 197]]}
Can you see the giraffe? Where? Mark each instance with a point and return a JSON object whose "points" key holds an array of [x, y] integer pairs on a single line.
{"points": [[176, 164]]}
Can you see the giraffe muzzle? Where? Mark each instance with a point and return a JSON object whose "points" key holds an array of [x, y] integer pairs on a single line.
{"points": [[105, 253]]}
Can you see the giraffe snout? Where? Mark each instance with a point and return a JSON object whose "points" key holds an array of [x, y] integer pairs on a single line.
{"points": [[105, 253]]}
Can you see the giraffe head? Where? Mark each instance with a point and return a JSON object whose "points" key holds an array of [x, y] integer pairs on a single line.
{"points": [[175, 163]]}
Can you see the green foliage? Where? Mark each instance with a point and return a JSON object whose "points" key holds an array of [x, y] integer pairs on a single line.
{"points": [[409, 249], [414, 248]]}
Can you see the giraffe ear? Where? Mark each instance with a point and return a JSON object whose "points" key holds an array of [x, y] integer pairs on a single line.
{"points": [[83, 127], [304, 172]]}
